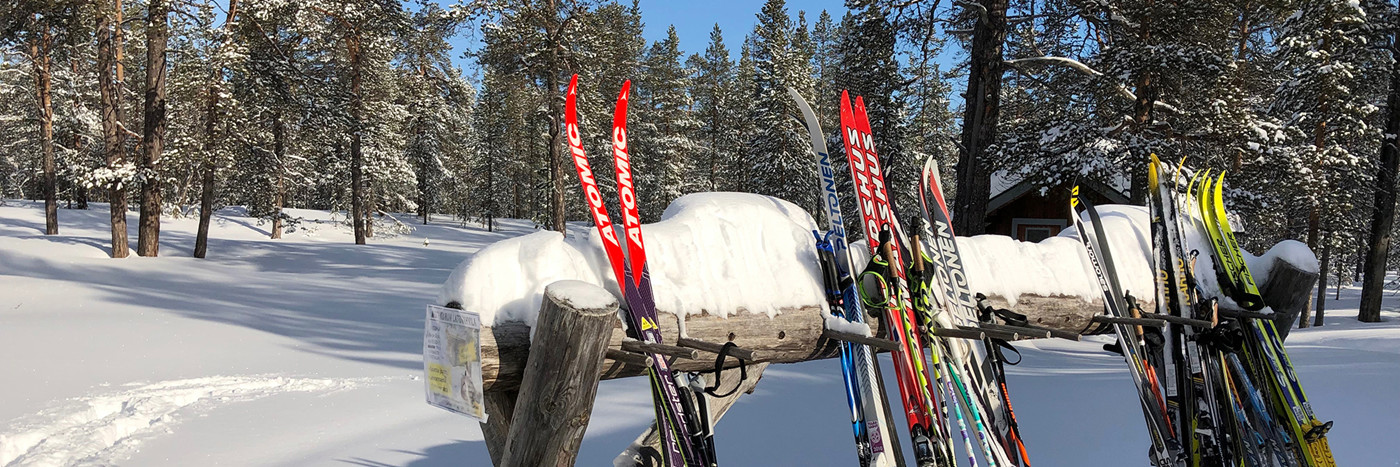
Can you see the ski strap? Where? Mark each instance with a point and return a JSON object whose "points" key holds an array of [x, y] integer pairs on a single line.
{"points": [[719, 366], [986, 314]]}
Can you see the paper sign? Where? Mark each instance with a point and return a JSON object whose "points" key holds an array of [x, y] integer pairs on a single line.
{"points": [[452, 361]]}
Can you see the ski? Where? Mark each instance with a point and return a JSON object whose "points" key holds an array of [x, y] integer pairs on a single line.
{"points": [[881, 233], [1166, 449], [1202, 420], [1263, 345], [985, 364], [876, 445], [684, 441]]}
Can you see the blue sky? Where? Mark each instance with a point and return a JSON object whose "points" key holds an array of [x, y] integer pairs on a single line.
{"points": [[693, 20]]}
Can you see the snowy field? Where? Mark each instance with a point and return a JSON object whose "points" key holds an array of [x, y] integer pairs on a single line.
{"points": [[307, 351]]}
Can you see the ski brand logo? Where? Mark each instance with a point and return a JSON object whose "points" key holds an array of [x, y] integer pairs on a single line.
{"points": [[865, 165], [953, 274], [590, 185], [833, 203], [625, 191]]}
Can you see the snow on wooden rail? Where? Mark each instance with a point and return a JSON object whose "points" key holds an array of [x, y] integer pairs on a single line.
{"points": [[743, 268]]}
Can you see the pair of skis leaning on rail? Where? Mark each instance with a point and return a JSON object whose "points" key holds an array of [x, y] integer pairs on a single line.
{"points": [[682, 414], [1216, 388], [924, 305]]}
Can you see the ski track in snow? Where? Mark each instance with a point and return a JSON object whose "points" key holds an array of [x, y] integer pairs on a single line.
{"points": [[100, 428]]}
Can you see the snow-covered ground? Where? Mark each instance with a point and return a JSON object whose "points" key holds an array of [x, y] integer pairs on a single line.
{"points": [[307, 351]]}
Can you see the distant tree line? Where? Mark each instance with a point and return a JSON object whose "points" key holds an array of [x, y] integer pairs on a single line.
{"points": [[356, 106]]}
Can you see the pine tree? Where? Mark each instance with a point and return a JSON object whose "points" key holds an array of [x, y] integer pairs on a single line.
{"points": [[738, 164], [664, 129], [429, 81], [871, 70], [713, 88], [37, 29], [779, 154], [1323, 45]]}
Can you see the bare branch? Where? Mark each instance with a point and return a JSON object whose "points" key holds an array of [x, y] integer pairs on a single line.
{"points": [[1072, 64]]}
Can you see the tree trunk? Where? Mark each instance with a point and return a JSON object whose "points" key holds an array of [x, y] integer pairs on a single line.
{"points": [[206, 192], [560, 380], [1322, 283], [1319, 143], [556, 155], [153, 130], [370, 206], [1336, 295], [211, 114], [980, 119], [279, 151], [110, 78], [1314, 216], [357, 189], [40, 56], [1383, 216]]}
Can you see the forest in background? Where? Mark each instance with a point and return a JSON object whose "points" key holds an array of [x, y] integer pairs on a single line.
{"points": [[180, 107]]}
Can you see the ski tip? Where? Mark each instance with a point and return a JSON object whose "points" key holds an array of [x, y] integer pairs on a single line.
{"points": [[626, 89], [570, 111], [1218, 197]]}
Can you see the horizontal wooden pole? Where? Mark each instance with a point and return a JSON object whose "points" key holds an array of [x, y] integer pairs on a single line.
{"points": [[1152, 322], [883, 344], [1029, 333], [1195, 323], [792, 335], [973, 334], [633, 345], [1245, 314], [1006, 336], [715, 348], [630, 358]]}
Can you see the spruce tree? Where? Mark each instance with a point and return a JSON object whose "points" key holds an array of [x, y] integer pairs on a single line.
{"points": [[664, 130], [779, 154], [713, 88]]}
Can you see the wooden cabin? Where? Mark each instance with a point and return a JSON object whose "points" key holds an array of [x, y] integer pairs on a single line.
{"points": [[1028, 212]]}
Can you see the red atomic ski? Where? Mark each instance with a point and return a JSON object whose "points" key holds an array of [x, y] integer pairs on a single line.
{"points": [[676, 436]]}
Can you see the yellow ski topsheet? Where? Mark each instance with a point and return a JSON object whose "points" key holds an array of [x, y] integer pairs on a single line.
{"points": [[1315, 453]]}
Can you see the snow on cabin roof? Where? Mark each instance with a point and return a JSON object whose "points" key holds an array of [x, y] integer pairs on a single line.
{"points": [[1008, 186]]}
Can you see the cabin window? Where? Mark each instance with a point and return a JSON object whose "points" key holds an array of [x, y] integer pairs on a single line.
{"points": [[1035, 230]]}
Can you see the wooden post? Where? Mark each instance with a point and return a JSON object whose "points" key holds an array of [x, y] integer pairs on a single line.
{"points": [[561, 376], [500, 405], [1286, 290]]}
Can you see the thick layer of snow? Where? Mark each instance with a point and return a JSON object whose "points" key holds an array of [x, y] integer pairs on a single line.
{"points": [[721, 252], [710, 253], [307, 350], [1057, 266], [581, 295]]}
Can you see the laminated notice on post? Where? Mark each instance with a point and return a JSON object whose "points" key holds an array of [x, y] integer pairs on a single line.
{"points": [[452, 361]]}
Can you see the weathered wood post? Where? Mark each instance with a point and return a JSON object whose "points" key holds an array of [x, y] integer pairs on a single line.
{"points": [[1286, 290], [561, 376]]}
